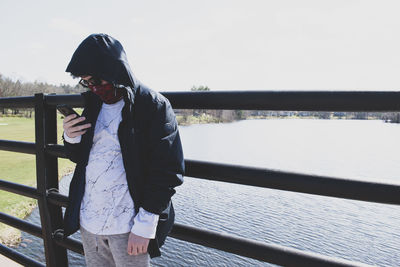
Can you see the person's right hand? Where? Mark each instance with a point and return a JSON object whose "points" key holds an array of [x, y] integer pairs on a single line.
{"points": [[74, 131]]}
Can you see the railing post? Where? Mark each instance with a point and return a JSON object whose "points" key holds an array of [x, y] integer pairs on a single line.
{"points": [[47, 177]]}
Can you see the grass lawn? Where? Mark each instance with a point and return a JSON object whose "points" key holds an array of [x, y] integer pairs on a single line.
{"points": [[21, 168]]}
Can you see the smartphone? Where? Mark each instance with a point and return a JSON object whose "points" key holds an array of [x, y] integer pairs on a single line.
{"points": [[67, 110]]}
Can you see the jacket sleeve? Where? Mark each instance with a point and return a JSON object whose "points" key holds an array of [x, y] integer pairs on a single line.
{"points": [[166, 165], [72, 150]]}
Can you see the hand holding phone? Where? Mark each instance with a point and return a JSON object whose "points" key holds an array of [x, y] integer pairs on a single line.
{"points": [[73, 123]]}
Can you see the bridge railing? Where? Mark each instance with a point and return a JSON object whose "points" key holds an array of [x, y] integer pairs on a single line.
{"points": [[50, 201]]}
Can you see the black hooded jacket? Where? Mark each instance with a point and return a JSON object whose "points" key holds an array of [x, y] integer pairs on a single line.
{"points": [[148, 135]]}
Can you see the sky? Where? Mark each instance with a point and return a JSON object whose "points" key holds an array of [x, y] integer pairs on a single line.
{"points": [[225, 45]]}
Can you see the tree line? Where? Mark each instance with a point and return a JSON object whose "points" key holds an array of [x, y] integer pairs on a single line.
{"points": [[386, 116], [10, 88], [189, 116]]}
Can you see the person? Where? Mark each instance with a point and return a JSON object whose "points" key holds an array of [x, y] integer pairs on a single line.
{"points": [[128, 157]]}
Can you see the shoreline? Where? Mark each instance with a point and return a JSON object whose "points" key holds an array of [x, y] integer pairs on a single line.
{"points": [[11, 236]]}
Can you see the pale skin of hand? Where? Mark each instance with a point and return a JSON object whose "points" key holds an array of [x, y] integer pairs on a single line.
{"points": [[137, 244], [74, 131]]}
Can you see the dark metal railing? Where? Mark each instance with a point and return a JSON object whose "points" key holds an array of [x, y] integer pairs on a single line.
{"points": [[269, 100], [50, 201]]}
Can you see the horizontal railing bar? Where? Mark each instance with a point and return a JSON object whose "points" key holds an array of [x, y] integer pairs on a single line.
{"points": [[57, 199], [19, 257], [295, 182], [289, 181], [75, 100], [271, 253], [17, 102], [69, 243], [270, 100], [56, 150], [19, 189], [17, 146], [287, 100], [21, 225]]}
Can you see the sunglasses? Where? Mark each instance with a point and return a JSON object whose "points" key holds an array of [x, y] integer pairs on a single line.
{"points": [[91, 82]]}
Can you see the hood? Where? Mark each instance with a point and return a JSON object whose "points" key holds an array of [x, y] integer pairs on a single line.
{"points": [[102, 56]]}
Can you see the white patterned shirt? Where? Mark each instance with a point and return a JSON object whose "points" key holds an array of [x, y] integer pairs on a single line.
{"points": [[107, 207]]}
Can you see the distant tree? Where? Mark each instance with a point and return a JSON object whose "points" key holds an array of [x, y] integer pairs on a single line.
{"points": [[325, 115], [239, 114], [222, 115], [361, 115], [200, 88]]}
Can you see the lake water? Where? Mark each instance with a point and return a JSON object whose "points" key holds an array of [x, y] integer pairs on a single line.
{"points": [[348, 229]]}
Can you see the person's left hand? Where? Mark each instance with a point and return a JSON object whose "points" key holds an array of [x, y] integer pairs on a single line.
{"points": [[137, 244]]}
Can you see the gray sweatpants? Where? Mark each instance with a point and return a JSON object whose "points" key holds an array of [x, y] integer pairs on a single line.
{"points": [[110, 250]]}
